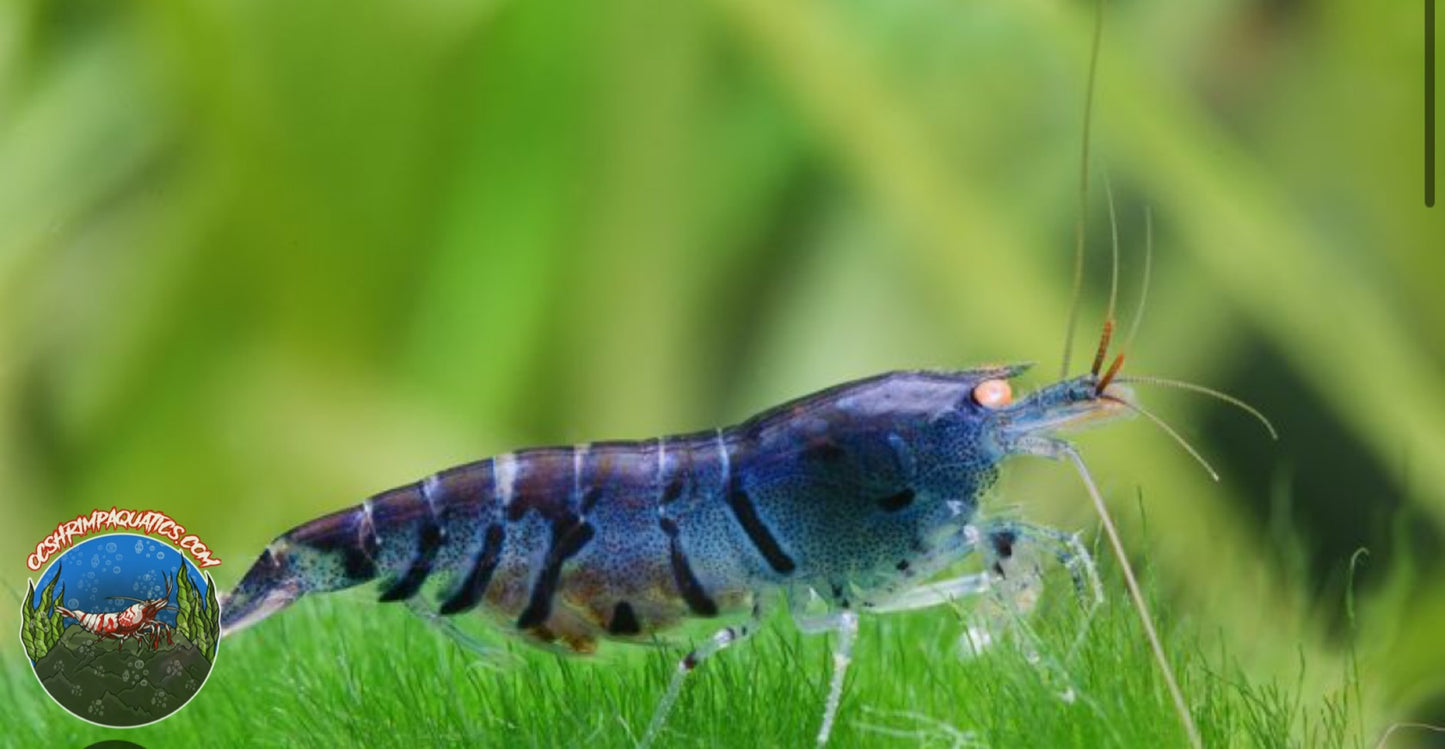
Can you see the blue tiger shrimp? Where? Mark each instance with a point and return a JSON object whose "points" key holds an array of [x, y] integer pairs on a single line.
{"points": [[858, 496]]}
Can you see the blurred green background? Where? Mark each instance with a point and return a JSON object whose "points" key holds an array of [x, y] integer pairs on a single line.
{"points": [[259, 260]]}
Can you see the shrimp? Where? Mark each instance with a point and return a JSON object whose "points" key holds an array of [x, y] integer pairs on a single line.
{"points": [[136, 621], [857, 496]]}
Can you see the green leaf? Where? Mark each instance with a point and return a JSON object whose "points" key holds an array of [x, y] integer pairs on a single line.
{"points": [[186, 604], [213, 617], [57, 621], [28, 626], [47, 631]]}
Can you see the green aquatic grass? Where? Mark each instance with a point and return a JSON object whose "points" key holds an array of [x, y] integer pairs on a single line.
{"points": [[341, 671]]}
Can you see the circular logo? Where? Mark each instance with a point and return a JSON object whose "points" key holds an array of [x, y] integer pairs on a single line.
{"points": [[121, 629]]}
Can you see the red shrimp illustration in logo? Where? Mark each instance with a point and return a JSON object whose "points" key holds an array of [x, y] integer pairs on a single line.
{"points": [[135, 621]]}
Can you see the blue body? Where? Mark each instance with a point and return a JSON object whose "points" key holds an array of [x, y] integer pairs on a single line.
{"points": [[856, 493]]}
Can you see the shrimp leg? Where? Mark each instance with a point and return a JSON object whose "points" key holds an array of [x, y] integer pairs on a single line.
{"points": [[1066, 548], [844, 624], [720, 640], [935, 594], [999, 555]]}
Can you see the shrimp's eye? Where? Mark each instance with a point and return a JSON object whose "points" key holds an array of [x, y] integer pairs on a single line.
{"points": [[993, 393]]}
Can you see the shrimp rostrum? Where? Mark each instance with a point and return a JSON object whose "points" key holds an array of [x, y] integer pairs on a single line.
{"points": [[858, 495]]}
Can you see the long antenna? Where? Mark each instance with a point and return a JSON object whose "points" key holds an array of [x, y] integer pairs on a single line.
{"points": [[1144, 287], [1107, 334], [1211, 392], [1114, 248], [1171, 431], [1139, 604], [1083, 192]]}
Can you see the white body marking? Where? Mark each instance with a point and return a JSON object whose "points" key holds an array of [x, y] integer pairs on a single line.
{"points": [[505, 468]]}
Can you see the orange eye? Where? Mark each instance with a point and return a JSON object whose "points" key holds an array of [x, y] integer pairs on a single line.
{"points": [[993, 393]]}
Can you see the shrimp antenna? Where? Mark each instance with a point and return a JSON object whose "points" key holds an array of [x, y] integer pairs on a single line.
{"points": [[1114, 248], [1144, 288], [1167, 430], [1113, 294], [1083, 192], [1211, 392], [1140, 605], [127, 598], [1108, 333]]}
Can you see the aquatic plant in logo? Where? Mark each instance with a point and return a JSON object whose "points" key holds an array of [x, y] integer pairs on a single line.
{"points": [[122, 630]]}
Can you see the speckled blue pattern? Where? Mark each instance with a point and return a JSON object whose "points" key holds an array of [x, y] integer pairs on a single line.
{"points": [[855, 492]]}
